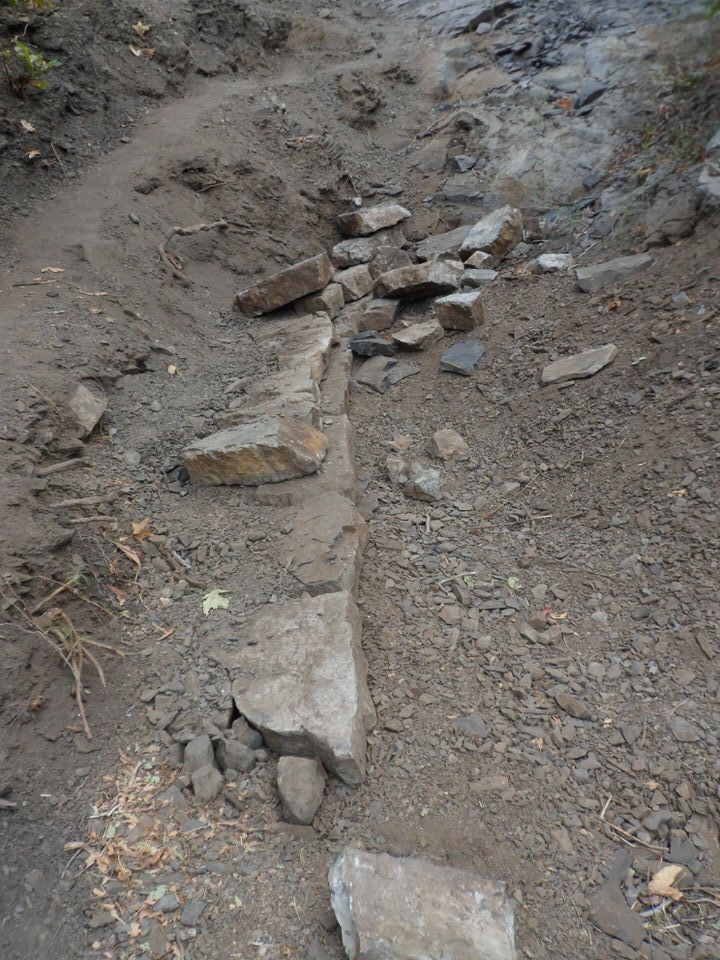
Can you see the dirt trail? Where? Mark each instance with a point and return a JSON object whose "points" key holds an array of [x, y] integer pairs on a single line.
{"points": [[572, 554]]}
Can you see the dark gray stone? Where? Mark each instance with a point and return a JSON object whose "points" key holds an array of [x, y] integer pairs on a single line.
{"points": [[370, 344], [463, 357], [380, 373]]}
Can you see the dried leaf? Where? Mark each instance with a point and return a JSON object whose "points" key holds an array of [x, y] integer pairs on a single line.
{"points": [[565, 104], [141, 531], [130, 554], [32, 154], [27, 126], [135, 51], [119, 595], [662, 884], [141, 29], [214, 600], [150, 52]]}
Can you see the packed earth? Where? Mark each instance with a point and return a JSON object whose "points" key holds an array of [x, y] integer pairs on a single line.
{"points": [[359, 440]]}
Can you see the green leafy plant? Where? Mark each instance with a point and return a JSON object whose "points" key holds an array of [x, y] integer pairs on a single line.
{"points": [[26, 67]]}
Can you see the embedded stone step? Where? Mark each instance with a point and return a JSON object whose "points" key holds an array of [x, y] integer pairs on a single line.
{"points": [[329, 300], [594, 278], [300, 677], [496, 234], [403, 908], [443, 246], [430, 279], [367, 220], [286, 286], [265, 451], [579, 365]]}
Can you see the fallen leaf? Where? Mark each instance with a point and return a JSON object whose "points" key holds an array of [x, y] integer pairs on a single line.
{"points": [[141, 531], [565, 103], [52, 270], [141, 29], [150, 52], [614, 304], [214, 600], [135, 51], [32, 154], [26, 125], [36, 703], [119, 595], [130, 554], [662, 884]]}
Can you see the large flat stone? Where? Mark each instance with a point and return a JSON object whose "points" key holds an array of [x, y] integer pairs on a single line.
{"points": [[306, 345], [324, 550], [579, 365], [462, 357], [444, 245], [334, 387], [451, 17], [336, 476], [594, 278], [367, 220], [393, 908], [287, 285], [380, 373], [264, 451], [496, 234], [430, 279], [293, 392], [419, 335], [362, 249], [301, 785], [300, 677]]}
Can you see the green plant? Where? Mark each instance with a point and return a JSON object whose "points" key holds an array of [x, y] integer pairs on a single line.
{"points": [[26, 67]]}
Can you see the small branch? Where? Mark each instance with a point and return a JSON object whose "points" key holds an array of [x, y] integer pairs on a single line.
{"points": [[86, 501], [59, 467], [170, 261]]}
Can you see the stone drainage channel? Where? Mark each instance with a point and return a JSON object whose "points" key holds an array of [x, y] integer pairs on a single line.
{"points": [[299, 675]]}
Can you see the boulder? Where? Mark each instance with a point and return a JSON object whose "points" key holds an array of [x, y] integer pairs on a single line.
{"points": [[362, 249], [496, 234], [300, 677], [449, 445], [386, 259], [367, 220], [87, 403], [481, 261], [423, 483], [462, 357], [460, 311], [330, 300], [379, 373], [579, 365], [301, 785], [421, 280], [478, 278], [419, 335], [289, 284], [324, 550], [378, 315], [592, 279], [442, 246], [264, 451], [411, 909], [233, 754], [356, 282]]}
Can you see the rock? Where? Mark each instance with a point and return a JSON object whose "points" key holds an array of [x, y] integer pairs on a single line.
{"points": [[167, 904], [481, 261], [367, 220], [592, 279], [683, 730], [282, 288], [419, 281], [423, 483], [551, 263], [579, 365], [397, 469], [442, 246], [411, 909], [378, 315], [334, 388], [496, 234], [330, 300], [478, 278], [235, 755], [449, 445], [264, 451], [324, 550], [462, 357], [590, 91], [573, 706], [301, 785], [472, 726], [363, 249], [609, 909], [299, 676], [371, 344], [386, 259], [207, 783], [243, 732], [305, 344], [356, 282], [190, 916], [463, 163], [198, 753], [87, 404], [460, 311], [380, 373], [419, 335]]}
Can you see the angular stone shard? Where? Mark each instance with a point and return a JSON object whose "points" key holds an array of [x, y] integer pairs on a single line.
{"points": [[478, 278], [419, 335], [356, 282], [449, 445], [421, 280], [551, 263], [410, 909], [87, 405], [330, 300], [372, 344], [379, 373], [287, 285], [460, 311], [367, 220], [264, 451], [462, 357], [579, 365], [496, 234], [423, 483], [324, 550], [481, 261], [300, 677], [362, 249], [592, 279], [442, 246], [378, 315], [301, 785]]}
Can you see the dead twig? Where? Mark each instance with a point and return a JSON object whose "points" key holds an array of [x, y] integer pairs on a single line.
{"points": [[60, 467], [86, 501], [57, 157], [98, 518], [170, 261]]}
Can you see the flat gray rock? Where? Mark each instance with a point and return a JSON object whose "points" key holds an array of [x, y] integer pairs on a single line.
{"points": [[367, 220], [579, 365], [380, 373], [300, 677], [592, 279], [301, 785], [393, 908], [462, 357], [421, 280], [443, 245], [496, 234], [363, 249], [282, 288], [419, 335], [87, 404]]}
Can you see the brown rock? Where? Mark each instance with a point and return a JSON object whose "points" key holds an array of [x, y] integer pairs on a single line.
{"points": [[496, 234], [87, 404], [419, 281], [367, 220], [481, 261], [460, 311], [442, 246], [362, 249], [264, 451], [579, 365], [386, 259], [573, 706], [378, 315], [282, 288], [356, 282], [301, 785], [330, 300], [449, 445], [419, 335]]}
